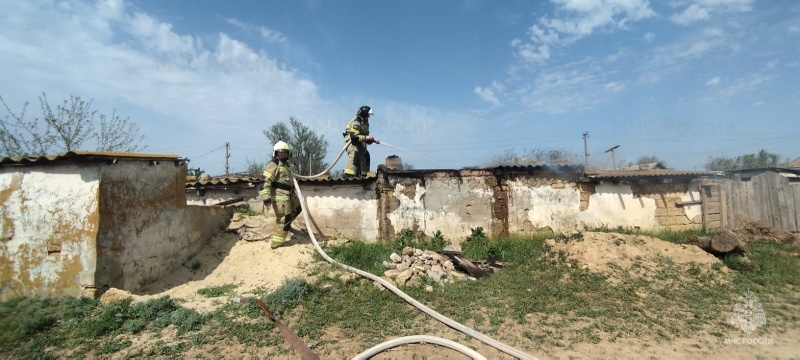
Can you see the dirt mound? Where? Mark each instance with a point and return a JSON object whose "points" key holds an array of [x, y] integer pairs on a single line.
{"points": [[230, 259], [615, 255], [761, 231]]}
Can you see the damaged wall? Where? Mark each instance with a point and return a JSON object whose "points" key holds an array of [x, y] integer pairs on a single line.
{"points": [[501, 201], [49, 226], [72, 228], [452, 202], [146, 228]]}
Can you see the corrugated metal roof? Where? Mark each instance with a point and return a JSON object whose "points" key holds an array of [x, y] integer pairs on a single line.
{"points": [[609, 174], [83, 155], [756, 170], [557, 168], [326, 179]]}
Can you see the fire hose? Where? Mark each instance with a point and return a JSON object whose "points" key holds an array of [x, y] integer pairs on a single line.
{"points": [[409, 339]]}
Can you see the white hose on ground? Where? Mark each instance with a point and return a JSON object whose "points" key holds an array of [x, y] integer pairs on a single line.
{"points": [[425, 339], [449, 322]]}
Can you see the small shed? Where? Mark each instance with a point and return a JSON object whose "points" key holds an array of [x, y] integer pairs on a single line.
{"points": [[80, 222]]}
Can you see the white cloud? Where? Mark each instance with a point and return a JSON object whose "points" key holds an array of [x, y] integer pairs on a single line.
{"points": [[532, 54], [587, 15], [489, 94], [715, 93], [648, 36], [691, 47], [571, 87], [701, 10], [174, 84], [266, 33], [579, 19], [614, 86], [159, 36]]}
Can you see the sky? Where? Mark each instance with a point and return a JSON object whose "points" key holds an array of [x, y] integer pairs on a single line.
{"points": [[452, 84]]}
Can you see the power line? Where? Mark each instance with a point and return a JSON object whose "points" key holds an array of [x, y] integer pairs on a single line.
{"points": [[199, 156]]}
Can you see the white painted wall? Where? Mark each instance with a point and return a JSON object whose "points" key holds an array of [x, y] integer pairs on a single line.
{"points": [[44, 211], [347, 210], [615, 205], [542, 206], [695, 211]]}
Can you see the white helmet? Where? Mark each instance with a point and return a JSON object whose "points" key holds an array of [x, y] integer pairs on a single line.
{"points": [[280, 145]]}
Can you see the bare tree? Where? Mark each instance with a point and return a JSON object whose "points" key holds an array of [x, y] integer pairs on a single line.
{"points": [[118, 134], [537, 156], [67, 127]]}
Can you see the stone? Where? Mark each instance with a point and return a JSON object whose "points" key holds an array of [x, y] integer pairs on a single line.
{"points": [[391, 274], [435, 275], [404, 276]]}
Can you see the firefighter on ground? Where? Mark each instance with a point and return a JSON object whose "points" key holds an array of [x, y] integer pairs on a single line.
{"points": [[357, 131], [279, 192]]}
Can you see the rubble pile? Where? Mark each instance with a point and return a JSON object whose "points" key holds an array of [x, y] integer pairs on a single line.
{"points": [[412, 265]]}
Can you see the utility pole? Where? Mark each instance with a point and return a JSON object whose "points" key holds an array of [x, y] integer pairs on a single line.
{"points": [[613, 159], [585, 149], [227, 155]]}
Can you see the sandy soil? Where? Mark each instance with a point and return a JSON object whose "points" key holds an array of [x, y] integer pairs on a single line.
{"points": [[253, 265]]}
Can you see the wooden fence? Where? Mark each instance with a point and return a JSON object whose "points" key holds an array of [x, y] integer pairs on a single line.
{"points": [[768, 197]]}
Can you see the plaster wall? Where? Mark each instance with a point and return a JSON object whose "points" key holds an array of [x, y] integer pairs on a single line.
{"points": [[348, 210], [452, 205], [76, 228], [49, 221], [543, 203], [614, 205], [146, 228]]}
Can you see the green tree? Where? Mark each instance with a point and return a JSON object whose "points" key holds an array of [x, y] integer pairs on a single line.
{"points": [[763, 159], [308, 149], [255, 168], [651, 159], [196, 172], [67, 127]]}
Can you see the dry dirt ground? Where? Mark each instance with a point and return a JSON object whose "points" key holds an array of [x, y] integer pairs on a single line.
{"points": [[227, 259]]}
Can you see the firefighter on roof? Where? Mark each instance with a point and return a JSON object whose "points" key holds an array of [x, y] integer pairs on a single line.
{"points": [[357, 131]]}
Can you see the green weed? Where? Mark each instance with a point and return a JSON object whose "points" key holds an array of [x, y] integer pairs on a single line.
{"points": [[217, 291]]}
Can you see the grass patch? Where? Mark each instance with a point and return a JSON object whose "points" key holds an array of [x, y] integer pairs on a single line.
{"points": [[549, 296], [217, 291]]}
